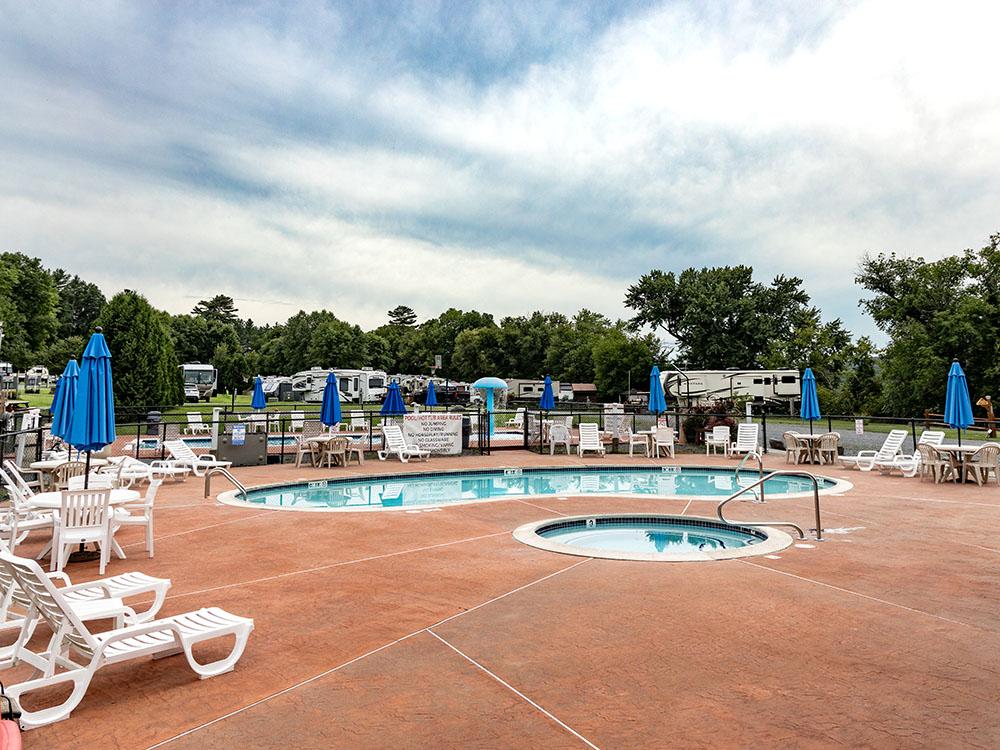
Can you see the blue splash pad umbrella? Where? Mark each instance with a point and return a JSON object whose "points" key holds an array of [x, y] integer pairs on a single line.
{"points": [[393, 404], [548, 399], [431, 398], [957, 404], [329, 413], [258, 402], [489, 385], [657, 399], [64, 401], [810, 400]]}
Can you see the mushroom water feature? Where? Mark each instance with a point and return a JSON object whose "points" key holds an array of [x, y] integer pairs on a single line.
{"points": [[489, 385]]}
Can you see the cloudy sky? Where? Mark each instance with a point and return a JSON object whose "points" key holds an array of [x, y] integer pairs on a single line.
{"points": [[497, 156]]}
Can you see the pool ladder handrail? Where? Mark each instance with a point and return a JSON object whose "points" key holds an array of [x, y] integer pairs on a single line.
{"points": [[226, 473], [760, 482], [760, 471]]}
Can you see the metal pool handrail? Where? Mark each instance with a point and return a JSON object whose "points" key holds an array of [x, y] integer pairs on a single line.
{"points": [[227, 475], [760, 482], [760, 470]]}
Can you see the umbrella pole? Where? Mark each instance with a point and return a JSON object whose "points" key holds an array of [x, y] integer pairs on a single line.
{"points": [[81, 555], [810, 427]]}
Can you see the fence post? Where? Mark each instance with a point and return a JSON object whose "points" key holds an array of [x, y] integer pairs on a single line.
{"points": [[163, 439], [281, 418], [138, 437], [38, 442], [913, 431], [763, 428], [524, 428]]}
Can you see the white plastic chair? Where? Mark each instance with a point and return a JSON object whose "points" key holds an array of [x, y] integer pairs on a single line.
{"points": [[394, 443], [747, 438], [718, 438], [867, 460], [196, 425], [297, 422], [635, 439], [21, 478], [20, 519], [140, 514], [590, 439], [559, 434], [663, 440], [83, 517], [171, 635]]}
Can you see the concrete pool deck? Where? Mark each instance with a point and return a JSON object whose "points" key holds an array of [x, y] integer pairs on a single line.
{"points": [[438, 629]]}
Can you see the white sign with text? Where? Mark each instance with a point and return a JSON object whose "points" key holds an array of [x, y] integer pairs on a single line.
{"points": [[440, 433]]}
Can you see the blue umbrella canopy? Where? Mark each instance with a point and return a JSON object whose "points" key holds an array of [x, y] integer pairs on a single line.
{"points": [[810, 400], [93, 423], [329, 413], [431, 398], [657, 400], [393, 401], [259, 402], [957, 405], [64, 402], [548, 400]]}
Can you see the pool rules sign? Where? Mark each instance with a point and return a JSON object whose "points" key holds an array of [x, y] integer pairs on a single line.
{"points": [[441, 434]]}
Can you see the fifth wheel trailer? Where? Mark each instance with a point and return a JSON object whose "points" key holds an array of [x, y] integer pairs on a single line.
{"points": [[702, 387]]}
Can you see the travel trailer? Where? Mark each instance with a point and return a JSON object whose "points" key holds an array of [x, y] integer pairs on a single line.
{"points": [[357, 386], [532, 389], [700, 387], [200, 381]]}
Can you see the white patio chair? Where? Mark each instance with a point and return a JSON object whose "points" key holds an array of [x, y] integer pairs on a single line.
{"points": [[94, 481], [19, 519], [559, 434], [796, 450], [663, 441], [304, 448], [634, 439], [590, 439], [718, 438], [747, 439], [196, 425], [140, 513], [980, 464], [828, 448], [184, 456], [158, 638], [83, 517], [29, 480], [867, 459], [394, 443]]}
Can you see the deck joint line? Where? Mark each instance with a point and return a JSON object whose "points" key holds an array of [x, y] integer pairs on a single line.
{"points": [[358, 658], [515, 691], [541, 507]]}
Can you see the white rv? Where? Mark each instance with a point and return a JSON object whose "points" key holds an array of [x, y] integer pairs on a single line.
{"points": [[200, 381], [358, 386], [699, 387], [532, 389]]}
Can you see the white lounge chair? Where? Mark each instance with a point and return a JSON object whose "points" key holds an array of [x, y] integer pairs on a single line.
{"points": [[29, 480], [394, 443], [590, 439], [909, 466], [19, 519], [719, 437], [518, 420], [158, 638], [747, 439], [866, 460], [196, 425], [184, 456]]}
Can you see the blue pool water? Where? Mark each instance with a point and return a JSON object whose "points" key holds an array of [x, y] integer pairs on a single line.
{"points": [[402, 491], [648, 535], [204, 442]]}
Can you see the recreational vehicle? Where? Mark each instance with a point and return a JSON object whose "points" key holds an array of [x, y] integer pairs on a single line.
{"points": [[532, 389], [698, 387], [200, 381], [358, 386]]}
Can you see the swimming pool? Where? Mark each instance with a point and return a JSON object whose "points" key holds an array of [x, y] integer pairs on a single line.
{"points": [[152, 443], [402, 491], [650, 537]]}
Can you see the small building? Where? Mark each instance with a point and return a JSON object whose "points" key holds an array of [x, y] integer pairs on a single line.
{"points": [[584, 392]]}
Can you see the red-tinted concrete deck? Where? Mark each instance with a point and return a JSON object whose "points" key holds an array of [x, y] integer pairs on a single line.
{"points": [[437, 629]]}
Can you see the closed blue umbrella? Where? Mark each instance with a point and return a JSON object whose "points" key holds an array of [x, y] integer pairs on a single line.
{"points": [[393, 404], [548, 400], [657, 399], [431, 398], [259, 402], [957, 405], [329, 413], [810, 400], [93, 424], [64, 402]]}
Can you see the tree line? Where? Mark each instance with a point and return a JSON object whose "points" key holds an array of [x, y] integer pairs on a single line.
{"points": [[707, 318]]}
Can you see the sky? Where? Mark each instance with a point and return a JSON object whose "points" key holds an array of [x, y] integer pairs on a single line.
{"points": [[499, 156]]}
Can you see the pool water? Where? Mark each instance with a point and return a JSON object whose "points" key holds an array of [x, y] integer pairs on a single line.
{"points": [[402, 491], [649, 537], [206, 442]]}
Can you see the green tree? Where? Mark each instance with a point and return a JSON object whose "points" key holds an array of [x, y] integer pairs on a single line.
{"points": [[221, 308], [28, 301], [477, 353], [620, 359], [197, 337], [62, 350], [719, 317], [236, 367], [146, 370], [335, 343], [402, 316], [80, 304]]}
